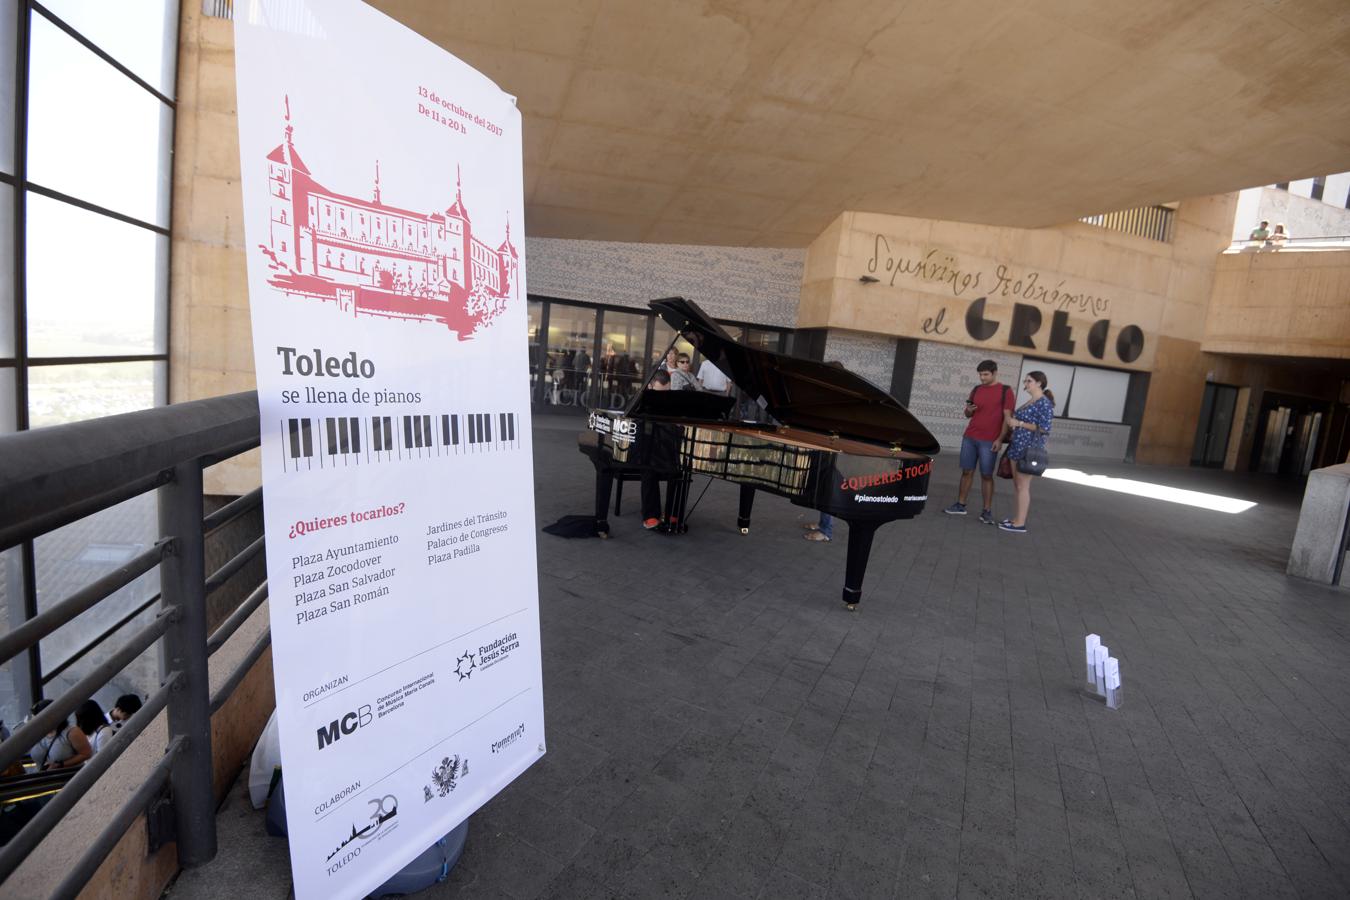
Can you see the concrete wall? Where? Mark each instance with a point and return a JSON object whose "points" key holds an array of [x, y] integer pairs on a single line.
{"points": [[742, 283], [210, 338], [932, 273], [1302, 216], [1284, 303]]}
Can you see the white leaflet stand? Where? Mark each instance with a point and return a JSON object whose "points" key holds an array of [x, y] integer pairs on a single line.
{"points": [[1114, 693], [1090, 647], [1103, 653]]}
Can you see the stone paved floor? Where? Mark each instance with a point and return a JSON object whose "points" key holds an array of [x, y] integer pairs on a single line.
{"points": [[720, 726]]}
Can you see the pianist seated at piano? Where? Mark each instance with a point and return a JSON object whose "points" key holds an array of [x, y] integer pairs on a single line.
{"points": [[829, 440], [665, 441]]}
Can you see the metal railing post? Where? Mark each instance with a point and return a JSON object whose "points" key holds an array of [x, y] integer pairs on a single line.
{"points": [[182, 584]]}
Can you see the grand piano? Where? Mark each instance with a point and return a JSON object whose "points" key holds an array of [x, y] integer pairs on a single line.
{"points": [[833, 441]]}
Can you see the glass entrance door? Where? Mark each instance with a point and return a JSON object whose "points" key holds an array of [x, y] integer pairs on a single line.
{"points": [[1215, 425]]}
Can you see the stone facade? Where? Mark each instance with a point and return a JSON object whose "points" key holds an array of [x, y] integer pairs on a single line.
{"points": [[943, 377], [744, 284], [869, 355]]}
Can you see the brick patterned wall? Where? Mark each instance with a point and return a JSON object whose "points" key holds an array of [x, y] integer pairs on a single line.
{"points": [[745, 284], [943, 377], [869, 355]]}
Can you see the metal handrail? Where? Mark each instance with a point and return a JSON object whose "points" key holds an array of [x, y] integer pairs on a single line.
{"points": [[28, 734], [48, 677], [47, 621], [53, 476], [14, 853], [237, 562], [236, 618], [84, 868], [233, 510], [237, 676], [50, 477], [1267, 242]]}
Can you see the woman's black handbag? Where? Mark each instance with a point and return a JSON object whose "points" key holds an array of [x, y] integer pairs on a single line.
{"points": [[1033, 462]]}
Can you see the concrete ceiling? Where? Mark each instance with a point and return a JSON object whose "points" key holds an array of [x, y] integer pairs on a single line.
{"points": [[756, 122]]}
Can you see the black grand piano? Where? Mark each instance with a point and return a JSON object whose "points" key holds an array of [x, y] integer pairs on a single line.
{"points": [[833, 440]]}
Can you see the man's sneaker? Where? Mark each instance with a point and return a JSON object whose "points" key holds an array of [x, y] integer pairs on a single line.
{"points": [[956, 509], [649, 524], [1007, 525], [987, 516]]}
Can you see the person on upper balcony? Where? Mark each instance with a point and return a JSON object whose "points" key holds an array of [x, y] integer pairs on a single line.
{"points": [[1260, 232], [1278, 237]]}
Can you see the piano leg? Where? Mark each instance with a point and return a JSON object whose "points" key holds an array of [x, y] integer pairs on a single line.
{"points": [[604, 482], [677, 498], [859, 548], [743, 515]]}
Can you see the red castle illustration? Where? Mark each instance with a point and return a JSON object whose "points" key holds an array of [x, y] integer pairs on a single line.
{"points": [[372, 259]]}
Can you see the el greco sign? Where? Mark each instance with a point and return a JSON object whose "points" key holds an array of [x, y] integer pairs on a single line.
{"points": [[957, 297]]}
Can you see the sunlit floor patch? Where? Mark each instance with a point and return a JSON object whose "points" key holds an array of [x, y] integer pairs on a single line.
{"points": [[1152, 491]]}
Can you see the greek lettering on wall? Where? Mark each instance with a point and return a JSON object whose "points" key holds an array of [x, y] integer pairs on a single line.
{"points": [[999, 304]]}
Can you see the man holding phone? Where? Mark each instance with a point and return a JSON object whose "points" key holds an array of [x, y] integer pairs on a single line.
{"points": [[989, 409]]}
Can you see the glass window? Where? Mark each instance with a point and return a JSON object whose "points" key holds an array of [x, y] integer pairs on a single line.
{"points": [[141, 36], [1098, 394], [72, 393], [571, 341], [96, 286], [79, 553], [765, 339], [9, 19], [661, 341], [7, 419], [76, 102], [534, 310], [1059, 379], [1319, 187], [620, 367], [12, 694], [6, 271]]}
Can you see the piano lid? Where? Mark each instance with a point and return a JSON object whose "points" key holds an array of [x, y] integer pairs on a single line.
{"points": [[801, 392]]}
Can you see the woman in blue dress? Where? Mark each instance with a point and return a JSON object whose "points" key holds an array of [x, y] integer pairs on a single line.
{"points": [[1030, 426]]}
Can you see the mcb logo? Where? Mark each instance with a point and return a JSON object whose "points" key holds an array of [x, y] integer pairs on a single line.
{"points": [[345, 725]]}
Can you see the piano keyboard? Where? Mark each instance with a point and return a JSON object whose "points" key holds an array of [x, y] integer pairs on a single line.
{"points": [[333, 441]]}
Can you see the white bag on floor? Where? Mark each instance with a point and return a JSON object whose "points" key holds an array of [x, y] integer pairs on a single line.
{"points": [[266, 763]]}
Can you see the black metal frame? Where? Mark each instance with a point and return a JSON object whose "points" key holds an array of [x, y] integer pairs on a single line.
{"points": [[32, 678], [1153, 222], [52, 476]]}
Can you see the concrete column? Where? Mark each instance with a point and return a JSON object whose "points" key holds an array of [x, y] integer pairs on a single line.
{"points": [[1319, 542]]}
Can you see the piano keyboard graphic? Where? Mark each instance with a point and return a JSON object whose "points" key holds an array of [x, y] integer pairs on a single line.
{"points": [[335, 441]]}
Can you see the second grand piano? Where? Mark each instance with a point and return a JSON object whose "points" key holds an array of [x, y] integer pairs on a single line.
{"points": [[834, 441]]}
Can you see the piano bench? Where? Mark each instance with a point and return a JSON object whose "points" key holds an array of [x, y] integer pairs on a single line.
{"points": [[620, 477]]}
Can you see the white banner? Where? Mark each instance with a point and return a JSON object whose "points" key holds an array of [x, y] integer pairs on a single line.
{"points": [[382, 207]]}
